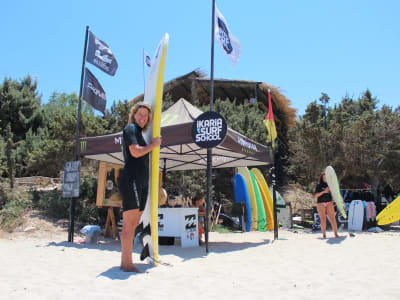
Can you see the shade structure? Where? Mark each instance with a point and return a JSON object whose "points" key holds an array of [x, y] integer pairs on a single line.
{"points": [[178, 151]]}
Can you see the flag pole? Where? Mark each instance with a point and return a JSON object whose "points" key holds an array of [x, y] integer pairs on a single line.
{"points": [[209, 151], [274, 196], [276, 225], [144, 79], [72, 200]]}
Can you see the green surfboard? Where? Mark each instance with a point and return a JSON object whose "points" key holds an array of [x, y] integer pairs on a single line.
{"points": [[262, 220]]}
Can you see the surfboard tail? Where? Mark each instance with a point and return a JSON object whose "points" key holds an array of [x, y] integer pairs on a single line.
{"points": [[147, 249]]}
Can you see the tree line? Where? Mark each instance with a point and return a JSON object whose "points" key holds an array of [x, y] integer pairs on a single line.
{"points": [[359, 140]]}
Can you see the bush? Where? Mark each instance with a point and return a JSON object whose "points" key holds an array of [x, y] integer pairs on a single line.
{"points": [[16, 203], [52, 203], [55, 206]]}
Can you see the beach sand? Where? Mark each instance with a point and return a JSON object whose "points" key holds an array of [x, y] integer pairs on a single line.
{"points": [[299, 265]]}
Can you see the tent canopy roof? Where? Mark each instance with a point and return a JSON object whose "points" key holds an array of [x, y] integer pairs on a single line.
{"points": [[195, 85], [178, 151]]}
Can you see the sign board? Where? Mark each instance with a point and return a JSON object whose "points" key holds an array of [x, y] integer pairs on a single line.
{"points": [[209, 129], [72, 176], [179, 222]]}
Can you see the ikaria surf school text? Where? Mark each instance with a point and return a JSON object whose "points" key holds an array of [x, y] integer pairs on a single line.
{"points": [[209, 130]]}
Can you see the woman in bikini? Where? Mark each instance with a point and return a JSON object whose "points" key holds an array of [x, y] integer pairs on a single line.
{"points": [[325, 205]]}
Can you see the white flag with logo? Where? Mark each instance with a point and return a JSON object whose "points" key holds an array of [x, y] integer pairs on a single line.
{"points": [[146, 59], [229, 44]]}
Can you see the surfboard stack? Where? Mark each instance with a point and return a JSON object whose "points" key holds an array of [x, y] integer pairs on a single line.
{"points": [[251, 189]]}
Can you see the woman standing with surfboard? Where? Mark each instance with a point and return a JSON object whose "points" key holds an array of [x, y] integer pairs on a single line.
{"points": [[133, 182], [325, 205]]}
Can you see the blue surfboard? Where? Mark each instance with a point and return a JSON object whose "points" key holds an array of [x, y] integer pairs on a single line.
{"points": [[242, 196]]}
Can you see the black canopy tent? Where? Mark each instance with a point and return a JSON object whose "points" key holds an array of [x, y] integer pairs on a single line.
{"points": [[178, 151]]}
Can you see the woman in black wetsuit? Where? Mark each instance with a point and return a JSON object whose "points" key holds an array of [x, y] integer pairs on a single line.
{"points": [[133, 182], [325, 205]]}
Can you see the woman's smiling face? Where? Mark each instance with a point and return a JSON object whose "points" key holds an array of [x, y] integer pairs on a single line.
{"points": [[141, 117]]}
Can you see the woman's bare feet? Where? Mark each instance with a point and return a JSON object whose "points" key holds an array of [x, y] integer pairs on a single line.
{"points": [[130, 268]]}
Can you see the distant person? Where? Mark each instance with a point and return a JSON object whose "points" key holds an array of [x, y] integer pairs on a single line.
{"points": [[388, 193], [198, 202], [133, 182], [325, 205]]}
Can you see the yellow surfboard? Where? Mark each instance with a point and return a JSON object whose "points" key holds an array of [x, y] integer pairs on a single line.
{"points": [[267, 198], [153, 96], [253, 203], [390, 213]]}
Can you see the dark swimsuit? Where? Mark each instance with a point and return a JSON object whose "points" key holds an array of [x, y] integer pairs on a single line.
{"points": [[324, 198], [133, 182]]}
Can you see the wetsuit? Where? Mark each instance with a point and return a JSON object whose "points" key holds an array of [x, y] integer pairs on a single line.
{"points": [[327, 197], [134, 179]]}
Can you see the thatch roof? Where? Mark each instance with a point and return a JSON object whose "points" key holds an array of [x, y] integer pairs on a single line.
{"points": [[195, 85]]}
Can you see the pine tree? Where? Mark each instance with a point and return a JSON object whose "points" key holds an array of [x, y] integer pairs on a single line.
{"points": [[10, 157]]}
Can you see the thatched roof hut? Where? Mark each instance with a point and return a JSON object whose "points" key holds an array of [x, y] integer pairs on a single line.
{"points": [[195, 85]]}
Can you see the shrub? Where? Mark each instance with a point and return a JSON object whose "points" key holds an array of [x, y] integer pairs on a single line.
{"points": [[16, 203], [55, 206]]}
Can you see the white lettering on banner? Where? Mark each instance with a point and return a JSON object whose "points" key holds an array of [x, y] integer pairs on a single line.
{"points": [[247, 144], [224, 38], [118, 140], [101, 64], [96, 91], [209, 130]]}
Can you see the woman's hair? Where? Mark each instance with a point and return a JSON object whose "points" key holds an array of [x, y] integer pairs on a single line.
{"points": [[134, 110], [321, 179]]}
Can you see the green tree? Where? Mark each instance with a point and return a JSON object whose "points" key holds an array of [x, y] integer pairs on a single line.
{"points": [[46, 151], [359, 141], [10, 157], [19, 107], [3, 158]]}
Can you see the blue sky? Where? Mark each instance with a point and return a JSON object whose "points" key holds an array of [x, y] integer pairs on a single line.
{"points": [[303, 47]]}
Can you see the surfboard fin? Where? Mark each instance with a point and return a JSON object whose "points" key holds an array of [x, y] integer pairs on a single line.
{"points": [[139, 228], [145, 237], [145, 252]]}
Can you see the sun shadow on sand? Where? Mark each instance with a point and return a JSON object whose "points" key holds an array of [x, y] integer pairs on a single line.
{"points": [[213, 247], [184, 253], [115, 273], [334, 241], [108, 245]]}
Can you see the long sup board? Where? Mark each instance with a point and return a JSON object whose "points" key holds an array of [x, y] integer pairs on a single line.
{"points": [[249, 183], [242, 196], [333, 184], [390, 213], [266, 197], [261, 221], [153, 96]]}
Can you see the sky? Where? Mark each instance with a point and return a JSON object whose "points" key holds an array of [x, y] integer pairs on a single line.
{"points": [[338, 47]]}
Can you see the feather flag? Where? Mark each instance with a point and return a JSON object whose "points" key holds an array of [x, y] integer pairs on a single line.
{"points": [[229, 44], [270, 121]]}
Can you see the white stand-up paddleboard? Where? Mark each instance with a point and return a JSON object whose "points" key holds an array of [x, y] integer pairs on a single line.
{"points": [[333, 184], [356, 215], [153, 96]]}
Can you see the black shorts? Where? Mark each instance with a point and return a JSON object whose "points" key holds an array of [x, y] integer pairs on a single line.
{"points": [[133, 192]]}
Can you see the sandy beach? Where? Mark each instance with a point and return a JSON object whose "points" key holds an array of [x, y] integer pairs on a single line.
{"points": [[299, 265]]}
